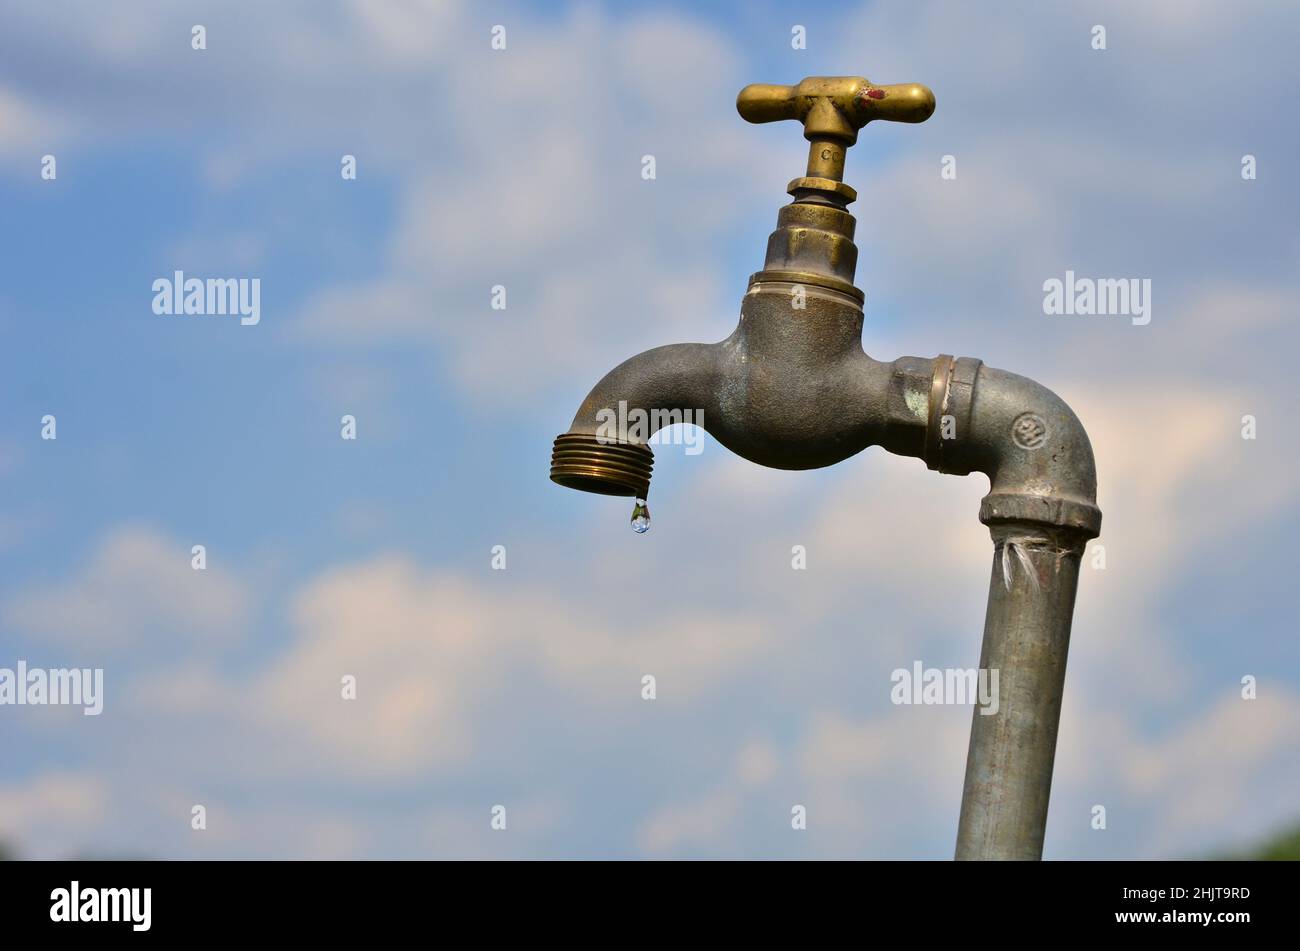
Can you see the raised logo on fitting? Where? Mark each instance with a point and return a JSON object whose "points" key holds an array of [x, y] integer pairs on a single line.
{"points": [[1029, 431]]}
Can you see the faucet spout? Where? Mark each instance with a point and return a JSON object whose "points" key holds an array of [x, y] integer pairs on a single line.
{"points": [[605, 449]]}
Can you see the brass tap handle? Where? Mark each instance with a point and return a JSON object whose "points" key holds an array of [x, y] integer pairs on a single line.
{"points": [[832, 110]]}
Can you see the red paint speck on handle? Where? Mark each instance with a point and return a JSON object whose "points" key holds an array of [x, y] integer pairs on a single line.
{"points": [[876, 93]]}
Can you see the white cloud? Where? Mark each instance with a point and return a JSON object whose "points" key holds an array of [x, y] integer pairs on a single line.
{"points": [[1209, 779], [698, 823], [28, 132], [51, 814], [436, 657], [528, 182], [136, 583], [1251, 748], [709, 822]]}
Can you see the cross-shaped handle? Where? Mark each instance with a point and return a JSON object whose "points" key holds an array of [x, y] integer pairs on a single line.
{"points": [[832, 110]]}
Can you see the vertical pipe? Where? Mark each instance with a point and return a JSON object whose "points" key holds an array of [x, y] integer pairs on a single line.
{"points": [[1026, 639]]}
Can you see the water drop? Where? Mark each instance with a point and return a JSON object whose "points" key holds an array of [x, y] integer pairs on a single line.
{"points": [[640, 517]]}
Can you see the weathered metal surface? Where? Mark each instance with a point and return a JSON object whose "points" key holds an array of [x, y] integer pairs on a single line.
{"points": [[792, 388], [1026, 638]]}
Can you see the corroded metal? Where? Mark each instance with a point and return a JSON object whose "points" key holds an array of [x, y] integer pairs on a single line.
{"points": [[792, 388]]}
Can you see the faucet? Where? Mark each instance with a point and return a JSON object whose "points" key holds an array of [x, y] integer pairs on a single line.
{"points": [[792, 388]]}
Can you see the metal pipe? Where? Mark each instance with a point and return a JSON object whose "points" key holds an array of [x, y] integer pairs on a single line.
{"points": [[1026, 639], [1041, 510]]}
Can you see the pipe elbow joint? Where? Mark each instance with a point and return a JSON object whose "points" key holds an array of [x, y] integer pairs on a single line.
{"points": [[1031, 445]]}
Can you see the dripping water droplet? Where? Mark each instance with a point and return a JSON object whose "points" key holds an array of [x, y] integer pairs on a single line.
{"points": [[640, 517]]}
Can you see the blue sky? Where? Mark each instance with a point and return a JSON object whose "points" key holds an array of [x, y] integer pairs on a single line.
{"points": [[522, 168]]}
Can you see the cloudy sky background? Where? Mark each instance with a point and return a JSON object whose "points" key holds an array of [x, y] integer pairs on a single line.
{"points": [[522, 168]]}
